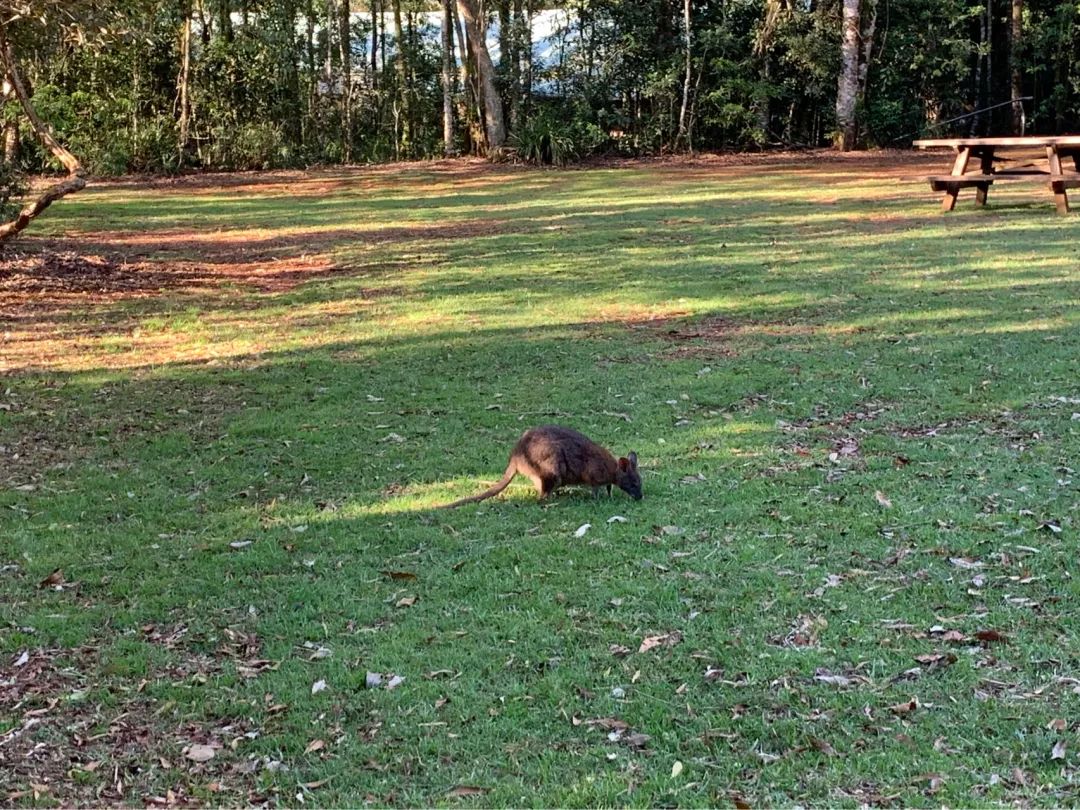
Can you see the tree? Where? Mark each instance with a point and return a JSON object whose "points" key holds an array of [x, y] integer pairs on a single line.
{"points": [[1016, 84], [847, 91], [683, 135], [475, 33], [856, 46], [13, 75], [448, 76]]}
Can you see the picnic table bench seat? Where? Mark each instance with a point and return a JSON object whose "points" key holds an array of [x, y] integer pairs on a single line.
{"points": [[986, 151]]}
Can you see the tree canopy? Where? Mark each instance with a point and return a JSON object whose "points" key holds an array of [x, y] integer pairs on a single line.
{"points": [[157, 85]]}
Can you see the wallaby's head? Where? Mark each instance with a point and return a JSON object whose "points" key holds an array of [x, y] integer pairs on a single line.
{"points": [[627, 478]]}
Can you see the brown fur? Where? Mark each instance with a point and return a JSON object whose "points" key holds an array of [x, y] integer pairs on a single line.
{"points": [[551, 456]]}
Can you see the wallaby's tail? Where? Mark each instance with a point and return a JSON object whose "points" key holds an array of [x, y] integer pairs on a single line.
{"points": [[511, 471]]}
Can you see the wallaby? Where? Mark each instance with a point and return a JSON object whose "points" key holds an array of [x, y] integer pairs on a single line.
{"points": [[551, 456]]}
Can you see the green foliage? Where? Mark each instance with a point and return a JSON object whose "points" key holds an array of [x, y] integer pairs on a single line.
{"points": [[260, 145], [546, 140], [266, 84]]}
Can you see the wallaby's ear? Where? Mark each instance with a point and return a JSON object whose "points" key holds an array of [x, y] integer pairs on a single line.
{"points": [[624, 464], [632, 458]]}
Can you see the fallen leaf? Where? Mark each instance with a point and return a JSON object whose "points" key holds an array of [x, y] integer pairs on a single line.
{"points": [[619, 651], [462, 791], [1057, 724], [905, 708], [406, 601], [22, 659], [936, 660], [1051, 526], [954, 635], [399, 575], [318, 686], [1059, 750], [882, 499], [199, 753], [315, 745], [823, 746], [991, 637], [824, 676], [582, 529], [394, 682], [53, 579], [676, 769], [665, 640], [966, 562]]}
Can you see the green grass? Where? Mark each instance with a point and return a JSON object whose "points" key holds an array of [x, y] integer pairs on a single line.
{"points": [[778, 353]]}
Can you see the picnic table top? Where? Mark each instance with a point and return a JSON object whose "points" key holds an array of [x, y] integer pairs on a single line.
{"points": [[1026, 140]]}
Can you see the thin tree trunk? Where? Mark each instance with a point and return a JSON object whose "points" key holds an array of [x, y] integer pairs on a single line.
{"points": [[527, 48], [1016, 38], [375, 15], [328, 62], [847, 91], [72, 183], [494, 122], [448, 77], [989, 61], [506, 51], [345, 52], [867, 41], [977, 94], [471, 103], [184, 82], [516, 66], [402, 72], [682, 136]]}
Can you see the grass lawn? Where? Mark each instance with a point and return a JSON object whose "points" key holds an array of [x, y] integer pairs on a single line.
{"points": [[228, 404]]}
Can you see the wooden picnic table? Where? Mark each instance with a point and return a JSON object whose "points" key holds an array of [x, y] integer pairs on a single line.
{"points": [[986, 150]]}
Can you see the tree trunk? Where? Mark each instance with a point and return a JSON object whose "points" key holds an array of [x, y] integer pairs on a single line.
{"points": [[184, 81], [72, 183], [867, 42], [977, 96], [402, 70], [448, 77], [517, 67], [328, 62], [345, 52], [527, 47], [989, 61], [847, 91], [471, 104], [1016, 39], [375, 15], [682, 136], [494, 122], [506, 51]]}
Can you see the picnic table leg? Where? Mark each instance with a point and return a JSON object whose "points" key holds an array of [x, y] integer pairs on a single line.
{"points": [[1061, 196], [963, 154], [986, 163]]}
